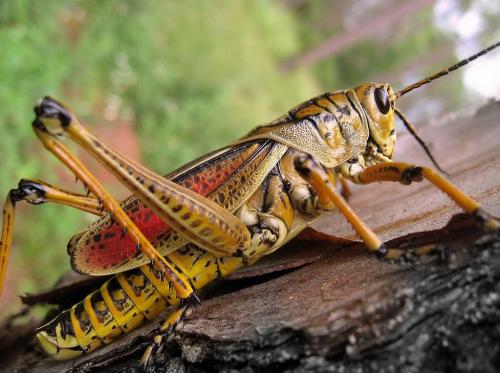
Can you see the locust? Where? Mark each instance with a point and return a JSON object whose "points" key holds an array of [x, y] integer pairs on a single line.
{"points": [[223, 211]]}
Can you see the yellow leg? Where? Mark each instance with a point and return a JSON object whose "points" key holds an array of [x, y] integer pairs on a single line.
{"points": [[36, 192], [9, 211], [54, 145], [318, 178], [345, 190], [167, 327], [406, 173]]}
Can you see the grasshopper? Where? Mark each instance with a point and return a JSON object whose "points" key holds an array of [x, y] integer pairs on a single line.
{"points": [[225, 210]]}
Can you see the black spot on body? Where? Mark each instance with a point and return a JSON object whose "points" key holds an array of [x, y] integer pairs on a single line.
{"points": [[196, 223]]}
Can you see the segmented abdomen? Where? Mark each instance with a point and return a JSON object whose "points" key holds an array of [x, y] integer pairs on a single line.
{"points": [[125, 301], [119, 306]]}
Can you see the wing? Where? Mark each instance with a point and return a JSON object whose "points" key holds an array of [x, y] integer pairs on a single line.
{"points": [[228, 176], [332, 127]]}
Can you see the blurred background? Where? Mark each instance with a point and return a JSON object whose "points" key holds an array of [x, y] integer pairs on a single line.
{"points": [[167, 81]]}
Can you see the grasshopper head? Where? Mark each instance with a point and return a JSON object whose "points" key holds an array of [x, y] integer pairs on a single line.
{"points": [[378, 102]]}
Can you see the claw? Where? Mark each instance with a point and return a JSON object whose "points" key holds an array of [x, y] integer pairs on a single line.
{"points": [[151, 350], [409, 256], [168, 327], [487, 220], [191, 301]]}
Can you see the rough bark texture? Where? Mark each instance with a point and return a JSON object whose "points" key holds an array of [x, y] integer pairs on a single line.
{"points": [[328, 306]]}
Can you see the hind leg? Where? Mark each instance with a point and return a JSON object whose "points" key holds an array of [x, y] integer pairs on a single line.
{"points": [[51, 122], [407, 173]]}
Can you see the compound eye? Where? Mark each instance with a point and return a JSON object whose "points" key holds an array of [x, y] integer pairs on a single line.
{"points": [[382, 100]]}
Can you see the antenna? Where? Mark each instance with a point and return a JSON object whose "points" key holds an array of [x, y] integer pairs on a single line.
{"points": [[444, 72], [422, 143]]}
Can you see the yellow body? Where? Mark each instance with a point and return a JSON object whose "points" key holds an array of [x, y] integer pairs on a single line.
{"points": [[273, 201], [285, 183]]}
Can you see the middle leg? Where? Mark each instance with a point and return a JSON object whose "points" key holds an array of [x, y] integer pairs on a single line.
{"points": [[406, 173], [36, 192]]}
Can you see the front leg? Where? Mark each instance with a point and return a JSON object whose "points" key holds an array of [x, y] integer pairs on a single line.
{"points": [[317, 177], [406, 173]]}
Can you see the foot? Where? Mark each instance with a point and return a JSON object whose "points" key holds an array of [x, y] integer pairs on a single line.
{"points": [[487, 221]]}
